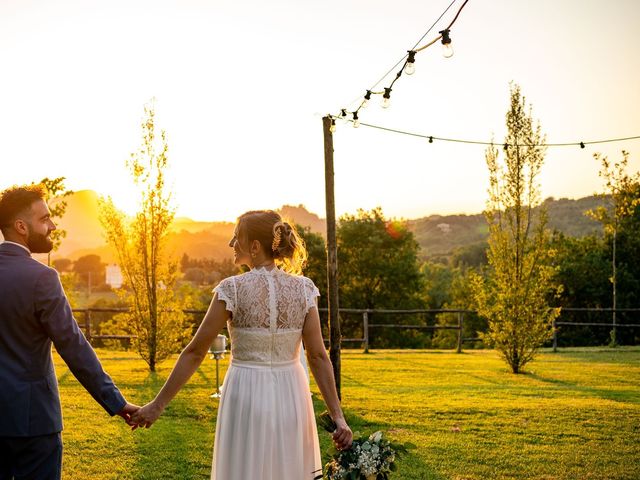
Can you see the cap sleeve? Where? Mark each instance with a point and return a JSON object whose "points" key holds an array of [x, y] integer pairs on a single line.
{"points": [[226, 291], [311, 292]]}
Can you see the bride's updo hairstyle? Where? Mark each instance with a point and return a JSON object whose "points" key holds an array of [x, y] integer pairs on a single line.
{"points": [[278, 238]]}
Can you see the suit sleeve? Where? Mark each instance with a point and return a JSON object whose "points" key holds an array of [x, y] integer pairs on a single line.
{"points": [[54, 313]]}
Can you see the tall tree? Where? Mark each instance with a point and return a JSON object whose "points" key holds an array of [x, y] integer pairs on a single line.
{"points": [[379, 269], [621, 190], [90, 270], [316, 267], [140, 245], [514, 294]]}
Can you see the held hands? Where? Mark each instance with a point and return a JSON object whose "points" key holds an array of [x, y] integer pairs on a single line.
{"points": [[127, 411], [146, 416], [342, 436]]}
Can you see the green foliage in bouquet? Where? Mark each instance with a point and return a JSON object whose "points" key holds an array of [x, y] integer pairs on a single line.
{"points": [[370, 457]]}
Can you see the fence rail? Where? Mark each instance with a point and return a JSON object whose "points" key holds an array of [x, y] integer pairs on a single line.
{"points": [[366, 326]]}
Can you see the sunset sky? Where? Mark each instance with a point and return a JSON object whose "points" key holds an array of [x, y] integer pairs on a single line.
{"points": [[240, 88]]}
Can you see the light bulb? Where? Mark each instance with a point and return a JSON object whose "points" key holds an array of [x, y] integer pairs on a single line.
{"points": [[332, 128], [367, 97], [410, 67], [386, 97], [447, 51], [356, 120], [343, 116]]}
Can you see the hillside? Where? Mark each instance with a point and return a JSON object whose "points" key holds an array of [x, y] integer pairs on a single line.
{"points": [[438, 235], [196, 239]]}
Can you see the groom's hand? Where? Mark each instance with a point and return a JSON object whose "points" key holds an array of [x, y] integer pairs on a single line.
{"points": [[126, 412], [146, 416]]}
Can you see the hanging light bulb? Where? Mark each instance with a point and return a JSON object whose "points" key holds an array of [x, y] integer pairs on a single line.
{"points": [[367, 97], [447, 50], [343, 115], [410, 66], [332, 128], [386, 97], [356, 121]]}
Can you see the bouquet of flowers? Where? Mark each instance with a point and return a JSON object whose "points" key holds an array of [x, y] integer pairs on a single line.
{"points": [[370, 457]]}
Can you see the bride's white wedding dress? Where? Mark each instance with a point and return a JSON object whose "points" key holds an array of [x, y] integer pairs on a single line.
{"points": [[266, 426]]}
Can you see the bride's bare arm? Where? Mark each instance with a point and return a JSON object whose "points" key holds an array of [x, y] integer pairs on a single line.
{"points": [[322, 370], [188, 362]]}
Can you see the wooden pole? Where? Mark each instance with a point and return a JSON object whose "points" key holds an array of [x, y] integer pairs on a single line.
{"points": [[332, 254], [614, 280], [365, 330], [87, 325], [459, 339]]}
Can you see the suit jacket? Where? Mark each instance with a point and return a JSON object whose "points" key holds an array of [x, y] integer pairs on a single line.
{"points": [[34, 312]]}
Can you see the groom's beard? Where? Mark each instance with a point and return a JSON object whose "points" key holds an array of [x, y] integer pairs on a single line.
{"points": [[38, 243]]}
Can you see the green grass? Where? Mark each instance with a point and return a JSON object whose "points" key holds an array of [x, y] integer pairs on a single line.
{"points": [[574, 415]]}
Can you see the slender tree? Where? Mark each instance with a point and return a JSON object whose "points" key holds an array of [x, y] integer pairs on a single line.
{"points": [[514, 293], [156, 315]]}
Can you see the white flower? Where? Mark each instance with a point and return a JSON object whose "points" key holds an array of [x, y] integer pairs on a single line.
{"points": [[376, 437]]}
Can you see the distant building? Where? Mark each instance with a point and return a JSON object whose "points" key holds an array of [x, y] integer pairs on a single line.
{"points": [[444, 227], [113, 276]]}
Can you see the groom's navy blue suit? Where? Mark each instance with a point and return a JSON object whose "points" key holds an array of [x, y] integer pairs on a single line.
{"points": [[34, 312]]}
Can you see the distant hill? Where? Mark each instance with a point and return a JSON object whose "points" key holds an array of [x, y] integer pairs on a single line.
{"points": [[82, 223], [438, 235], [303, 217], [196, 239]]}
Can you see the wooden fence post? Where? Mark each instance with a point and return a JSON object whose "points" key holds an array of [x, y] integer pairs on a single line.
{"points": [[365, 329], [87, 325], [459, 343], [555, 336]]}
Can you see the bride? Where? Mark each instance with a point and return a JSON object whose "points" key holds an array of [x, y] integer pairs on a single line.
{"points": [[266, 425]]}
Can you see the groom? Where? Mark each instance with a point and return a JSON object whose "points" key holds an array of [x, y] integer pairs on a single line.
{"points": [[34, 312]]}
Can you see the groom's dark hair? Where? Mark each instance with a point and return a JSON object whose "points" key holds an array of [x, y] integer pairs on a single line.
{"points": [[16, 200]]}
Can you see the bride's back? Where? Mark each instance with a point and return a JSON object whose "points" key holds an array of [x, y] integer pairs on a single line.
{"points": [[268, 310]]}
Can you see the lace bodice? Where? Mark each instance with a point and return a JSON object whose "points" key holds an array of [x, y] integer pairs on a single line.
{"points": [[268, 309]]}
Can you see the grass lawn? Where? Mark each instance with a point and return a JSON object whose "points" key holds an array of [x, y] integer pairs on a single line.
{"points": [[574, 415]]}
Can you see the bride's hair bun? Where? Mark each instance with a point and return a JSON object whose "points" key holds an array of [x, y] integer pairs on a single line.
{"points": [[278, 238], [285, 240]]}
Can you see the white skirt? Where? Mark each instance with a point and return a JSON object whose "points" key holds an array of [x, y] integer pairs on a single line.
{"points": [[266, 428]]}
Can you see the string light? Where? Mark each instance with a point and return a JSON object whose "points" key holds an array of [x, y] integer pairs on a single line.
{"points": [[432, 138], [447, 49], [367, 97], [410, 67], [386, 97], [343, 115], [332, 128], [408, 60], [356, 120]]}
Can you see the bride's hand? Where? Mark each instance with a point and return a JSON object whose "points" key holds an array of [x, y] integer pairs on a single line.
{"points": [[342, 436], [146, 416]]}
